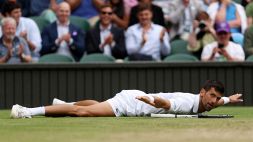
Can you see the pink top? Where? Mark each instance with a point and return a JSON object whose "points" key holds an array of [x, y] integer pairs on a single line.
{"points": [[129, 4]]}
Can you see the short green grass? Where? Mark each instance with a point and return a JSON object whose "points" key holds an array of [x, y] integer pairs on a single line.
{"points": [[127, 129]]}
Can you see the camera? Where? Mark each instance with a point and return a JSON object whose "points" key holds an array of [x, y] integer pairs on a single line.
{"points": [[202, 24], [220, 45]]}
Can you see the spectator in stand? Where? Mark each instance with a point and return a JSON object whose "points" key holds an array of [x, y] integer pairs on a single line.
{"points": [[120, 18], [182, 18], [158, 16], [105, 37], [13, 49], [223, 49], [203, 33], [26, 28], [231, 12], [146, 40], [62, 37], [25, 5]]}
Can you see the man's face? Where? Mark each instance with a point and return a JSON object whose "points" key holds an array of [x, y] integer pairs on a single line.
{"points": [[223, 37], [63, 13], [106, 15], [16, 14], [9, 30], [145, 17], [210, 98]]}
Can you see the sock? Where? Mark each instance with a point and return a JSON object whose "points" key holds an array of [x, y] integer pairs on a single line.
{"points": [[71, 103], [37, 111]]}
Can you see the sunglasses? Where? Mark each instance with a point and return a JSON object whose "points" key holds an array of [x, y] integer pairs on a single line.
{"points": [[104, 13]]}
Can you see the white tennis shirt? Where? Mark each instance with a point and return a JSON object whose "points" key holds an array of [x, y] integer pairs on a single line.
{"points": [[125, 103]]}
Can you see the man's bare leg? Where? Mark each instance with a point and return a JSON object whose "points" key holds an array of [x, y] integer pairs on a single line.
{"points": [[98, 109], [86, 103]]}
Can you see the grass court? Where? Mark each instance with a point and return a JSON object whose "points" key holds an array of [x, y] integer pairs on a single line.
{"points": [[130, 129]]}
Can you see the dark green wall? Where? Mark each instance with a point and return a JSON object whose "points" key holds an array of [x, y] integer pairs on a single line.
{"points": [[38, 84]]}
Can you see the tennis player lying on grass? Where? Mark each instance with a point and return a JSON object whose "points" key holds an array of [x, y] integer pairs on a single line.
{"points": [[136, 103]]}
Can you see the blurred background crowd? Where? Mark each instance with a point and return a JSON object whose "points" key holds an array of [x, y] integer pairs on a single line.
{"points": [[125, 30]]}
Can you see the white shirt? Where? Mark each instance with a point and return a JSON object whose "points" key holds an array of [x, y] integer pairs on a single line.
{"points": [[104, 33], [33, 34], [233, 49], [63, 46], [126, 104], [152, 47]]}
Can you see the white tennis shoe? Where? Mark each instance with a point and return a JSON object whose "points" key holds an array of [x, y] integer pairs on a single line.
{"points": [[18, 111], [58, 102]]}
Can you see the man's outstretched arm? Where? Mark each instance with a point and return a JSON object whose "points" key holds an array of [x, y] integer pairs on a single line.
{"points": [[155, 101], [233, 99]]}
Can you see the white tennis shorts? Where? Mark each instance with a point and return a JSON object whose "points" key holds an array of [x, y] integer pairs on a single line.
{"points": [[124, 103]]}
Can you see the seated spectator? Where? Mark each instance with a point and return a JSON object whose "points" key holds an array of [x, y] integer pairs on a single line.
{"points": [[203, 33], [248, 42], [231, 12], [62, 37], [25, 5], [106, 38], [223, 49], [158, 16], [146, 40], [26, 28], [13, 49], [120, 18], [182, 18]]}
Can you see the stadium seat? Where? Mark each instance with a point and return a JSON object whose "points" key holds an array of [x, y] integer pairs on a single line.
{"points": [[97, 57], [80, 22], [179, 46], [41, 22], [180, 58], [55, 58], [250, 58]]}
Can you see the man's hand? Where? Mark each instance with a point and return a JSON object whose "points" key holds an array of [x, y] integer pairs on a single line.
{"points": [[144, 37], [146, 99], [236, 98], [24, 35], [162, 34]]}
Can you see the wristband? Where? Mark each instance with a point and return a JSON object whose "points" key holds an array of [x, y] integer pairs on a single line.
{"points": [[226, 100], [151, 98]]}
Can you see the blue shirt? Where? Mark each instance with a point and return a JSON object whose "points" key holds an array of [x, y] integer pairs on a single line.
{"points": [[153, 46], [231, 15], [16, 43], [85, 10]]}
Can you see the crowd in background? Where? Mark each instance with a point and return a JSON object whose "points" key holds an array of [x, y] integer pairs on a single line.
{"points": [[136, 30]]}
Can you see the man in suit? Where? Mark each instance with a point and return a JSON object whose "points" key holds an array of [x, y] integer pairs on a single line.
{"points": [[62, 37], [105, 37]]}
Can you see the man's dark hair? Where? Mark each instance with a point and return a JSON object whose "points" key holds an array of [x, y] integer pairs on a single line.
{"points": [[104, 6], [144, 6], [217, 85], [9, 6]]}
